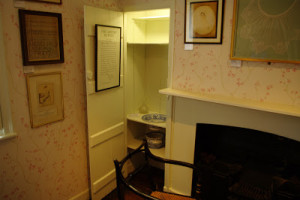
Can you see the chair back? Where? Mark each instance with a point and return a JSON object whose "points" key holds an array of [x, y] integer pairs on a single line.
{"points": [[123, 182]]}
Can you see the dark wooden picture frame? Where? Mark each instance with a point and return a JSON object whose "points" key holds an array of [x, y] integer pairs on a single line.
{"points": [[41, 37], [107, 57], [203, 21], [47, 1]]}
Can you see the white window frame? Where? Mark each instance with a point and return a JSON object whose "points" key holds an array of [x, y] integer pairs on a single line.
{"points": [[6, 125]]}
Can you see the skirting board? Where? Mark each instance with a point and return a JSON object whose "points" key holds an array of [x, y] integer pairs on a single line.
{"points": [[172, 190], [85, 195]]}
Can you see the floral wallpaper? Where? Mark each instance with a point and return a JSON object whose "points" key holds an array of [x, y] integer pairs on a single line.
{"points": [[207, 69], [49, 162]]}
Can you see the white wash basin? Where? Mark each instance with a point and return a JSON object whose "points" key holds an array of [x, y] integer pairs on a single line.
{"points": [[154, 118]]}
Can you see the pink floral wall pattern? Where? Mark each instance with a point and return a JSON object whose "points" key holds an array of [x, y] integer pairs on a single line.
{"points": [[49, 162], [207, 69]]}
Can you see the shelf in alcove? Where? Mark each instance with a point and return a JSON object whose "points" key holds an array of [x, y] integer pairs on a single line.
{"points": [[135, 143], [152, 18], [289, 110], [137, 117]]}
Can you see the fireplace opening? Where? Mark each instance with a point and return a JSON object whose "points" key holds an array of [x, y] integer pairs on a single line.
{"points": [[244, 164]]}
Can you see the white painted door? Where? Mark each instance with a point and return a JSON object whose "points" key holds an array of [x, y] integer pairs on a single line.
{"points": [[105, 109]]}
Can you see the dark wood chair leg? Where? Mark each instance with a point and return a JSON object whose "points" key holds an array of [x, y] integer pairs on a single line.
{"points": [[119, 184]]}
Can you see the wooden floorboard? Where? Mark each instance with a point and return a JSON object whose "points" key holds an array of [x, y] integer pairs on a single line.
{"points": [[143, 183]]}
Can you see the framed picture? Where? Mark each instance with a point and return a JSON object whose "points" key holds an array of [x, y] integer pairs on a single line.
{"points": [[41, 37], [266, 31], [47, 1], [108, 57], [203, 21], [45, 96]]}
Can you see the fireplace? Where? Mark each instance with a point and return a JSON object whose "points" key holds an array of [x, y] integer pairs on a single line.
{"points": [[243, 164], [187, 113]]}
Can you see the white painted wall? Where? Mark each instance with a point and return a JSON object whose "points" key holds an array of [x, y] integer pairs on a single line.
{"points": [[147, 72], [146, 61]]}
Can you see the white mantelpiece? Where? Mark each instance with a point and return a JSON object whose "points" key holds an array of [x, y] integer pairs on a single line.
{"points": [[187, 112], [244, 103]]}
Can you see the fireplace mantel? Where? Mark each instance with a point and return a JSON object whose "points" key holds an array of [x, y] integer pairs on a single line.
{"points": [[244, 103], [187, 109]]}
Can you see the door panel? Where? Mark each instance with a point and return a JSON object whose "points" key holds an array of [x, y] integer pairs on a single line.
{"points": [[102, 168], [105, 110]]}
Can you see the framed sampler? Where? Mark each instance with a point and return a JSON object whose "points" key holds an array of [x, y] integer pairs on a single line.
{"points": [[41, 37]]}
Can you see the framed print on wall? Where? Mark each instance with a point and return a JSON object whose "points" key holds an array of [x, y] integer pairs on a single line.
{"points": [[41, 37], [266, 31], [45, 96], [108, 57], [47, 1], [203, 21]]}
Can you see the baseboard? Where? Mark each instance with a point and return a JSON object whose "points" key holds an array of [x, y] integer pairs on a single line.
{"points": [[85, 195], [166, 189], [172, 190]]}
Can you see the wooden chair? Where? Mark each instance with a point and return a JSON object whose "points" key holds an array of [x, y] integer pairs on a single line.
{"points": [[123, 182]]}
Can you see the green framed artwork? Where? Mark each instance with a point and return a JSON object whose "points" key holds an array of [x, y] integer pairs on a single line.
{"points": [[266, 30]]}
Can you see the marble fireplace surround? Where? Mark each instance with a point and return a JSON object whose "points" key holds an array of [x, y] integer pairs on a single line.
{"points": [[186, 113]]}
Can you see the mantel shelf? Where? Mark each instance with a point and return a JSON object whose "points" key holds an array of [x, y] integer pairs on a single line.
{"points": [[244, 103]]}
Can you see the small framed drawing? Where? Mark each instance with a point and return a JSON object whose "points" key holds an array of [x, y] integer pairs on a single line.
{"points": [[45, 96], [108, 57], [41, 37], [203, 21], [47, 1]]}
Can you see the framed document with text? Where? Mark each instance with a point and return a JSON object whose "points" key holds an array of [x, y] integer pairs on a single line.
{"points": [[108, 57], [41, 37]]}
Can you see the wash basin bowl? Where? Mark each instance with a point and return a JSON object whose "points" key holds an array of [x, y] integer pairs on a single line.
{"points": [[154, 118]]}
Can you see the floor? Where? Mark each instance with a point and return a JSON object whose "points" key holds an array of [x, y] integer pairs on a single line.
{"points": [[141, 182]]}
